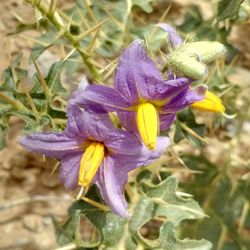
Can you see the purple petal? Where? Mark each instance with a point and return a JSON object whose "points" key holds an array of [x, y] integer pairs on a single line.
{"points": [[50, 144], [166, 120], [184, 99], [125, 143], [113, 174], [69, 170], [86, 125], [137, 75], [128, 120], [111, 180], [173, 87], [77, 100], [174, 37], [98, 98], [141, 155]]}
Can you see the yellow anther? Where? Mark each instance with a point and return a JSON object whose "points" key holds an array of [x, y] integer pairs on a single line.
{"points": [[211, 103], [90, 162], [147, 123]]}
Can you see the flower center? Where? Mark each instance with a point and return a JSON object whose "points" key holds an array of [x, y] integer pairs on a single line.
{"points": [[148, 124], [90, 163], [210, 103]]}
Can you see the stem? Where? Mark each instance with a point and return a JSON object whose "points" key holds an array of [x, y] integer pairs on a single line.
{"points": [[13, 102], [222, 238], [243, 217], [59, 26]]}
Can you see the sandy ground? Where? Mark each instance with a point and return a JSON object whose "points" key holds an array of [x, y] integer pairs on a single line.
{"points": [[29, 194]]}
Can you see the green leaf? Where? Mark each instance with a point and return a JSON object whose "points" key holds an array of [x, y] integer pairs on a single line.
{"points": [[12, 76], [45, 41], [169, 241], [2, 137], [228, 8], [109, 226], [53, 79], [143, 4], [162, 201]]}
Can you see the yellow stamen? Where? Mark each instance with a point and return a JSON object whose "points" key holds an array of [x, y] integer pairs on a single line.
{"points": [[90, 163], [147, 123], [211, 103]]}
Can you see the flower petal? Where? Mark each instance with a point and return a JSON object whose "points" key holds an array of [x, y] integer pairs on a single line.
{"points": [[111, 180], [174, 86], [166, 120], [113, 174], [128, 120], [137, 75], [125, 143], [50, 144], [141, 155], [99, 98], [89, 126], [173, 35], [69, 170], [184, 99]]}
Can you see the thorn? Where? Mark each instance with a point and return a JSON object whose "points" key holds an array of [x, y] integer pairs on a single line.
{"points": [[55, 168], [30, 100], [87, 3], [86, 33], [41, 80], [80, 194], [70, 53], [93, 41], [52, 7], [190, 131], [96, 204]]}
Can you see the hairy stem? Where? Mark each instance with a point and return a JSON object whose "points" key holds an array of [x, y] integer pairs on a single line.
{"points": [[71, 39]]}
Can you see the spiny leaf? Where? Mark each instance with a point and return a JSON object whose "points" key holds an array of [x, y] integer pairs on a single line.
{"points": [[13, 75], [161, 201], [54, 79], [45, 41], [143, 4], [228, 8]]}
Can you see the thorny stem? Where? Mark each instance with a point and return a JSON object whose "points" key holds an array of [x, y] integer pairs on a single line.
{"points": [[51, 17], [14, 103]]}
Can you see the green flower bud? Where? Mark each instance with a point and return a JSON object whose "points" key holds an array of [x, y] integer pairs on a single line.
{"points": [[182, 63], [205, 51]]}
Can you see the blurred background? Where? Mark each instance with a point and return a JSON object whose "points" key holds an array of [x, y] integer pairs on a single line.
{"points": [[215, 170]]}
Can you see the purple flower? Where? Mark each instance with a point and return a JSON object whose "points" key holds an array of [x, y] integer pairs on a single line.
{"points": [[174, 37], [143, 100], [92, 150]]}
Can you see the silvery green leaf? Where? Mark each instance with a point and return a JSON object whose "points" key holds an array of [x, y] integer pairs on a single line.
{"points": [[169, 241], [143, 4], [161, 201], [228, 8]]}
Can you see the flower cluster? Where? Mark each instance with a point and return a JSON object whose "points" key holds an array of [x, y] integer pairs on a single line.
{"points": [[93, 151]]}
